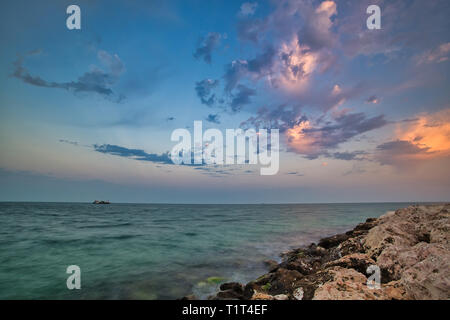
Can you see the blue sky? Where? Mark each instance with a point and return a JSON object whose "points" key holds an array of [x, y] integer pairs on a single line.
{"points": [[364, 115]]}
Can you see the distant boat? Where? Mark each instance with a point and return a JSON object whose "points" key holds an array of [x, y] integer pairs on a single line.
{"points": [[100, 202]]}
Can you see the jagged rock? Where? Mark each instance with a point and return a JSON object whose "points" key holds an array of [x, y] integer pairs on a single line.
{"points": [[347, 284], [271, 264], [333, 241], [396, 291], [351, 245], [357, 261], [282, 281], [235, 286], [231, 291], [411, 247], [261, 296], [229, 295]]}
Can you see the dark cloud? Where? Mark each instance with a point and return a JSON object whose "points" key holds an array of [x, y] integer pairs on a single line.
{"points": [[261, 65], [282, 117], [136, 154], [373, 99], [242, 97], [295, 173], [74, 143], [316, 31], [346, 127], [205, 89], [213, 118], [313, 141], [206, 46], [399, 152], [95, 81], [233, 74], [354, 155]]}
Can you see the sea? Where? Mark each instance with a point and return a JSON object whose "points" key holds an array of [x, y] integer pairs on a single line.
{"points": [[155, 251]]}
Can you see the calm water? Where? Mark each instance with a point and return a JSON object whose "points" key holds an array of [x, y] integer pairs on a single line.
{"points": [[154, 251]]}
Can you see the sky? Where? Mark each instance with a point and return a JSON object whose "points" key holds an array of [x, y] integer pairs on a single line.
{"points": [[363, 115]]}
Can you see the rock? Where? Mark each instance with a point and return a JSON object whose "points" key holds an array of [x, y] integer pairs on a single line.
{"points": [[351, 245], [395, 291], [231, 291], [261, 296], [411, 246], [298, 294], [235, 286], [271, 264], [348, 284], [189, 297], [357, 261], [428, 276], [229, 295], [333, 241], [282, 281]]}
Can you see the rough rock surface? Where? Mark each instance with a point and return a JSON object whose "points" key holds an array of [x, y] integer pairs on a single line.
{"points": [[411, 246]]}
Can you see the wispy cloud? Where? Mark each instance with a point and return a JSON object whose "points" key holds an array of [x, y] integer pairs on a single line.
{"points": [[248, 8], [437, 55], [135, 154], [206, 46], [96, 80], [313, 141], [204, 90], [213, 118]]}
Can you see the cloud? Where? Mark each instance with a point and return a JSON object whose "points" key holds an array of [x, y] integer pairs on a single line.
{"points": [[251, 29], [135, 154], [248, 8], [425, 138], [405, 25], [283, 117], [213, 118], [206, 46], [437, 55], [373, 100], [242, 97], [295, 173], [94, 81], [233, 74], [74, 143], [204, 90], [313, 141], [399, 152], [348, 156], [317, 33]]}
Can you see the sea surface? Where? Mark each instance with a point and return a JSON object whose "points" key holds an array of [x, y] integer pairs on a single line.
{"points": [[155, 251]]}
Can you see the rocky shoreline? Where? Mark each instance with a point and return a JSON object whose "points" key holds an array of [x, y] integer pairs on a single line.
{"points": [[410, 247]]}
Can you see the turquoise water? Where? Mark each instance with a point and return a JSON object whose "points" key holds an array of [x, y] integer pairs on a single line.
{"points": [[154, 251]]}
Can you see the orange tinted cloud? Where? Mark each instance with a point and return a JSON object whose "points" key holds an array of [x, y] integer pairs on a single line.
{"points": [[301, 141], [430, 131], [426, 138]]}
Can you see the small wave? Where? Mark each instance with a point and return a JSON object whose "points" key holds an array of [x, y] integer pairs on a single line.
{"points": [[100, 226], [190, 234]]}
